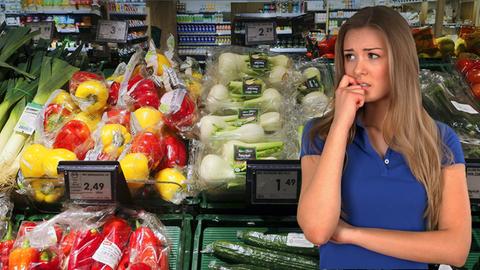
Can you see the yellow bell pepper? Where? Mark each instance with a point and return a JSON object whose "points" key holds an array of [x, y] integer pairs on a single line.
{"points": [[46, 190], [64, 98], [148, 118], [114, 137], [162, 60], [169, 182], [135, 169], [93, 95], [90, 119], [31, 162], [50, 161], [135, 166]]}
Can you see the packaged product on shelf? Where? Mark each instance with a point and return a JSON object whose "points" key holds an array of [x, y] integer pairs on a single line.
{"points": [[448, 99], [244, 117], [36, 247], [39, 176], [6, 230], [233, 66], [314, 88], [89, 91], [99, 237]]}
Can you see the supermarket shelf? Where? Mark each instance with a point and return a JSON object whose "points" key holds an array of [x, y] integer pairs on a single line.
{"points": [[203, 44], [203, 34], [289, 50], [138, 26], [137, 38], [203, 22], [127, 14], [285, 32], [281, 32], [269, 15], [200, 13], [59, 12]]}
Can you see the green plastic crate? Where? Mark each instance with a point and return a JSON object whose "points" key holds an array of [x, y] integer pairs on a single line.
{"points": [[179, 233], [471, 260], [224, 227]]}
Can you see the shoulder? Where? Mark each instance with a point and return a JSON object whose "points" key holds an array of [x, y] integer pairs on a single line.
{"points": [[452, 143], [309, 146]]}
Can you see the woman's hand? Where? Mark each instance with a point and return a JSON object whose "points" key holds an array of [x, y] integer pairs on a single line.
{"points": [[343, 233], [349, 97]]}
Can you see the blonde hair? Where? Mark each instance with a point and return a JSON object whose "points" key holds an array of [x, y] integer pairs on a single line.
{"points": [[408, 129]]}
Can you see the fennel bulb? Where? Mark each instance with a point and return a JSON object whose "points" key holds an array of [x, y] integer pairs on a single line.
{"points": [[248, 133], [270, 121], [270, 101], [278, 75], [213, 168]]}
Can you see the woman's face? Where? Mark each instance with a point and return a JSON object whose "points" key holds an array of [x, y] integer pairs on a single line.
{"points": [[366, 59]]}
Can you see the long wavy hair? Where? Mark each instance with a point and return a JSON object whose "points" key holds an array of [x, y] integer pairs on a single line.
{"points": [[408, 129]]}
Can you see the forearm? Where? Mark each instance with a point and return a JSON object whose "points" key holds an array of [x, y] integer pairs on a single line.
{"points": [[319, 204], [441, 246]]}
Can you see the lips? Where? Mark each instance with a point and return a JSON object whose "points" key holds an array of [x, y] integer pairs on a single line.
{"points": [[364, 85]]}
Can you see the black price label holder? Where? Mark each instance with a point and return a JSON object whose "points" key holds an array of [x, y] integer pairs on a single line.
{"points": [[472, 167], [94, 182], [260, 32], [273, 182], [112, 31]]}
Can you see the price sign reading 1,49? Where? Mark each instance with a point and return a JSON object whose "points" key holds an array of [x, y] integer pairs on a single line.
{"points": [[90, 185], [473, 180], [276, 185], [260, 33]]}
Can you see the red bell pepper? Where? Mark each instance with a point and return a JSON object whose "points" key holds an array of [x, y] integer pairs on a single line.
{"points": [[145, 249], [145, 93], [176, 153], [67, 242], [84, 246], [25, 227], [140, 266], [473, 75], [134, 80], [74, 136], [476, 91], [464, 65], [6, 246], [113, 94], [82, 76], [49, 260], [120, 116], [116, 230], [149, 144], [54, 117], [184, 117]]}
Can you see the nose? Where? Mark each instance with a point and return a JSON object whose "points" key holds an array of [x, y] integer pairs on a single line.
{"points": [[360, 68]]}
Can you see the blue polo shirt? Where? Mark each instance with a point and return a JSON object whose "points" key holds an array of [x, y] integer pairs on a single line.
{"points": [[377, 193]]}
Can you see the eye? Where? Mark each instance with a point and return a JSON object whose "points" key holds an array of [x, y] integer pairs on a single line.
{"points": [[349, 56], [373, 56]]}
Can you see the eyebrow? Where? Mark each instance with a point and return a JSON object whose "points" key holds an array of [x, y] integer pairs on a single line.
{"points": [[366, 49]]}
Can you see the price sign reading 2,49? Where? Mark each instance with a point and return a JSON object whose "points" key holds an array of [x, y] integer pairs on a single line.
{"points": [[260, 33], [276, 184], [90, 185]]}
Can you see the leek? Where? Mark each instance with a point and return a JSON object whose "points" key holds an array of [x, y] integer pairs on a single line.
{"points": [[12, 121], [55, 73]]}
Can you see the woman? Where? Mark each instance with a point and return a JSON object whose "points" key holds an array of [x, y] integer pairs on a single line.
{"points": [[384, 185]]}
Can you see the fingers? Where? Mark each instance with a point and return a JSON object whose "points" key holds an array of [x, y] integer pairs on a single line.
{"points": [[347, 81]]}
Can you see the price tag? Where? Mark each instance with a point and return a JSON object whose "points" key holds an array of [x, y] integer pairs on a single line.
{"points": [[94, 182], [273, 182], [276, 185], [473, 180], [260, 33], [45, 28], [112, 31], [90, 185], [27, 121]]}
